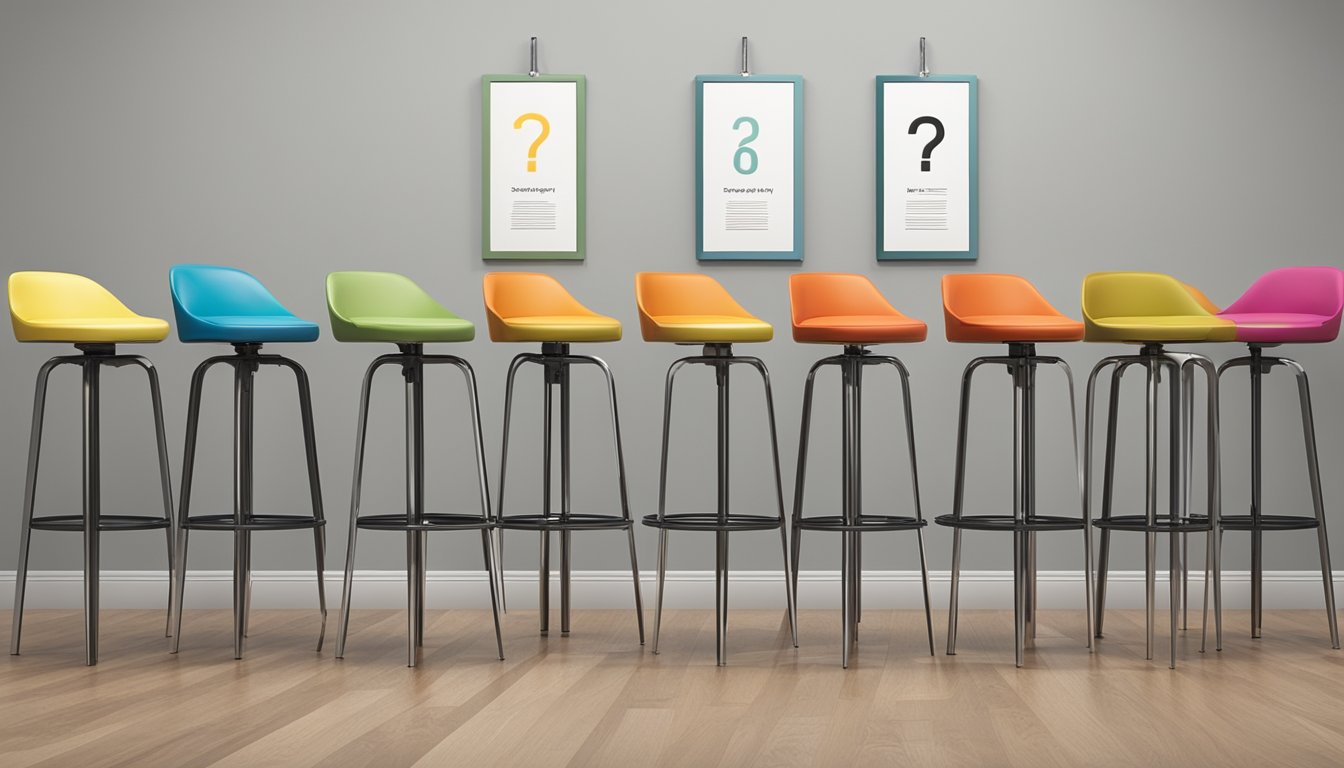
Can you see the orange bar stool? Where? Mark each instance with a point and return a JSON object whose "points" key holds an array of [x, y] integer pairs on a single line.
{"points": [[1006, 309], [695, 309], [526, 307], [72, 309], [1153, 310], [848, 310]]}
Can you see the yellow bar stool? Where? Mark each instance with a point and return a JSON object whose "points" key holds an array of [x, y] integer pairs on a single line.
{"points": [[72, 309], [694, 309], [1154, 310], [527, 307]]}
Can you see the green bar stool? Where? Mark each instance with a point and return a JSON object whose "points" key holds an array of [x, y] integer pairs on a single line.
{"points": [[383, 307]]}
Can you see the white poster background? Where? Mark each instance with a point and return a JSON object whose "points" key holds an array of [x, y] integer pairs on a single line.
{"points": [[936, 215], [526, 220], [759, 220]]}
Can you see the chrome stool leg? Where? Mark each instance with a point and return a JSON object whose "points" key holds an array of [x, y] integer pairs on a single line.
{"points": [[662, 498], [1118, 365], [958, 499], [92, 500], [30, 495], [184, 498], [356, 491], [721, 377], [1318, 506]]}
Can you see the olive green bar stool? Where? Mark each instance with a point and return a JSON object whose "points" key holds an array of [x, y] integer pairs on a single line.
{"points": [[390, 308]]}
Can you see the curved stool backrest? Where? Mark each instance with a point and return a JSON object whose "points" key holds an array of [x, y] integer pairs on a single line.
{"points": [[386, 306], [1137, 294], [64, 307], [1296, 290], [681, 293], [972, 295], [528, 294], [834, 294]]}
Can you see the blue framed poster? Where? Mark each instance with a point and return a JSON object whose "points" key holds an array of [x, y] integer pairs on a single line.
{"points": [[928, 178], [749, 167]]}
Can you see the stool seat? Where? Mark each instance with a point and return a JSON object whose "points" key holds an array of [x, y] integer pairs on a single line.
{"points": [[72, 309], [684, 308], [705, 329], [409, 330], [388, 307], [247, 329], [860, 329], [1014, 328], [557, 328], [1147, 307], [1003, 309], [1282, 327], [532, 307], [229, 306]]}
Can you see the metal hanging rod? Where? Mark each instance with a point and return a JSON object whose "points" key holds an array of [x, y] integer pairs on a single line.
{"points": [[533, 71], [923, 58], [746, 70]]}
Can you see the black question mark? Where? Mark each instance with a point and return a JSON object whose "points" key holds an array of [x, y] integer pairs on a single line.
{"points": [[937, 124]]}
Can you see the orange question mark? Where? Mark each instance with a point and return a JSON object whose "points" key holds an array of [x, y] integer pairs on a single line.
{"points": [[536, 143]]}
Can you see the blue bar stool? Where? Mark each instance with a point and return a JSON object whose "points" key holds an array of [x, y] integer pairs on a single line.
{"points": [[223, 305], [72, 309]]}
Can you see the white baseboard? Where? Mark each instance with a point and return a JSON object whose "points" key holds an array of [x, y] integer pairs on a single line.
{"points": [[612, 589]]}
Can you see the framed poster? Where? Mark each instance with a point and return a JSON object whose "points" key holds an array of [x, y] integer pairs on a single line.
{"points": [[928, 185], [533, 132], [749, 167]]}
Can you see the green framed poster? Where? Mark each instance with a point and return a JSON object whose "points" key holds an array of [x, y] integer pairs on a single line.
{"points": [[928, 175], [749, 167], [533, 157]]}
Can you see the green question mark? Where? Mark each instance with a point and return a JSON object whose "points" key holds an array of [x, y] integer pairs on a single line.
{"points": [[742, 149]]}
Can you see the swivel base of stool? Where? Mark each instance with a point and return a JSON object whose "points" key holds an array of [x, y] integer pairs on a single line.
{"points": [[852, 523], [244, 521], [92, 522], [1024, 523], [417, 522], [723, 521], [1177, 523], [556, 360], [1257, 522]]}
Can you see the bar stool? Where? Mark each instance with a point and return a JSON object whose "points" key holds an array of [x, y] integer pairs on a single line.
{"points": [[527, 307], [57, 307], [1006, 309], [695, 309], [847, 310], [1292, 305], [229, 306], [1153, 310], [388, 308]]}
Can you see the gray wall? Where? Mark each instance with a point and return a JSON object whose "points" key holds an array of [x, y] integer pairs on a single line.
{"points": [[295, 138]]}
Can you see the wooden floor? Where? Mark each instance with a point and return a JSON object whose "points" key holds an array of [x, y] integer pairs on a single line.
{"points": [[597, 698]]}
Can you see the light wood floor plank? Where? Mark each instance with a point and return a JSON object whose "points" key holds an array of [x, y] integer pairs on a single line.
{"points": [[596, 698]]}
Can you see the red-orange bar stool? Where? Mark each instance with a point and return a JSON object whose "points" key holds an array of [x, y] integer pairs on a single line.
{"points": [[849, 311], [693, 309], [1006, 309], [528, 307]]}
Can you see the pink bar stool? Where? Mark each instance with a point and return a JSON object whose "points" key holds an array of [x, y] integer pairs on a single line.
{"points": [[1292, 305]]}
